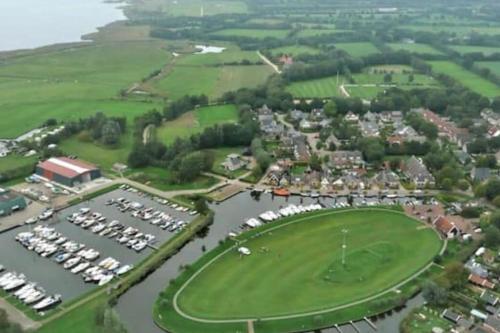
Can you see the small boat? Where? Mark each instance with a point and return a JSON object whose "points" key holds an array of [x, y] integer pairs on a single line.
{"points": [[80, 268], [105, 279], [282, 192], [47, 302], [31, 220], [124, 269], [72, 262], [34, 297]]}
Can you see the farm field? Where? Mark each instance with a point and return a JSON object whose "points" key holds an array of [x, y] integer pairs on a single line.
{"points": [[464, 49], [324, 87], [231, 54], [211, 81], [196, 121], [467, 78], [317, 32], [493, 66], [457, 29], [381, 254], [414, 48], [252, 33], [193, 7], [357, 49], [74, 82], [294, 50]]}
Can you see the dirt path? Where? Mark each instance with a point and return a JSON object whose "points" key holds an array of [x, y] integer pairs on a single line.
{"points": [[344, 91], [16, 316], [267, 61]]}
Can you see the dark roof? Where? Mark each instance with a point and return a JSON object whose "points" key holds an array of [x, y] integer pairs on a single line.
{"points": [[480, 174], [7, 195], [450, 315]]}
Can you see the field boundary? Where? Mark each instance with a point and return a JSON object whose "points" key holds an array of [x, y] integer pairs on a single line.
{"points": [[302, 314]]}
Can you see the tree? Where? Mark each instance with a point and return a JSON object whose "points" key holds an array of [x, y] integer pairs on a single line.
{"points": [[110, 132], [315, 162], [492, 236], [330, 109], [6, 326], [388, 78], [200, 205], [434, 294], [138, 157]]}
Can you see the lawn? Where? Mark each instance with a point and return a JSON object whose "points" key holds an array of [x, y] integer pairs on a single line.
{"points": [[220, 155], [162, 179], [196, 121], [294, 50], [466, 78], [357, 49], [252, 33], [305, 257], [414, 48], [211, 81], [464, 49], [13, 161], [69, 83], [325, 87]]}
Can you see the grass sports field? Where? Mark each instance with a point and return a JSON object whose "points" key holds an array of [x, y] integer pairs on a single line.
{"points": [[304, 255], [325, 87], [196, 121], [466, 78], [357, 49], [414, 48]]}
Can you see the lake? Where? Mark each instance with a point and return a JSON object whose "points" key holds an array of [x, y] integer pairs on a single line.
{"points": [[26, 24]]}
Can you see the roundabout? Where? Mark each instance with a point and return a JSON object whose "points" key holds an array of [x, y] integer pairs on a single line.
{"points": [[302, 269]]}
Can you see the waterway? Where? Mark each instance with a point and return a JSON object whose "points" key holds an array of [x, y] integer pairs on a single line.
{"points": [[27, 24], [135, 307]]}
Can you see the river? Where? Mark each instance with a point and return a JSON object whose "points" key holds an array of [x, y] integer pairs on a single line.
{"points": [[135, 307], [27, 24]]}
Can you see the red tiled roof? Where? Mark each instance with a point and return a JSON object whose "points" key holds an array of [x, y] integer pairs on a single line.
{"points": [[58, 166], [444, 225], [476, 279]]}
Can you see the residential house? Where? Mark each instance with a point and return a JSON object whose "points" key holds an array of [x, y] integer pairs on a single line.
{"points": [[480, 174], [268, 125], [386, 179], [415, 170], [351, 117], [446, 227], [489, 298], [307, 125], [297, 115], [492, 118], [451, 316], [370, 116], [392, 117], [408, 134], [286, 60], [462, 157], [300, 148], [446, 128], [343, 159], [317, 115], [369, 129], [233, 162], [480, 281]]}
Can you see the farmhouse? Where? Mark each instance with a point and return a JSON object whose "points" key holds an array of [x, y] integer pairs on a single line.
{"points": [[446, 227], [10, 202], [66, 171]]}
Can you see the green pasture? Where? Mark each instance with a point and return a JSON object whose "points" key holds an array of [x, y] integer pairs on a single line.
{"points": [[464, 49], [359, 49], [414, 48], [252, 33]]}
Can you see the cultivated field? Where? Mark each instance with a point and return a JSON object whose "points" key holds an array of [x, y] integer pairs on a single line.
{"points": [[196, 121], [414, 48], [466, 78], [357, 49], [306, 257]]}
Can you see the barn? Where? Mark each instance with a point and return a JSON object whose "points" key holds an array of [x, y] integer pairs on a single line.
{"points": [[66, 171]]}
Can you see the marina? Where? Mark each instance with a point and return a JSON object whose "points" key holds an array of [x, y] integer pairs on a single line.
{"points": [[70, 258]]}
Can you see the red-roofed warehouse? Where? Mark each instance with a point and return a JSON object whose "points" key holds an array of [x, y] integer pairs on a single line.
{"points": [[67, 171]]}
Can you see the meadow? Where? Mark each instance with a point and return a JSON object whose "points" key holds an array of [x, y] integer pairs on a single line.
{"points": [[192, 7], [294, 50], [493, 66], [231, 54], [324, 87], [252, 33], [316, 32], [357, 49], [455, 29], [414, 48], [196, 121], [464, 49], [68, 83], [466, 78], [380, 254], [209, 80], [162, 179]]}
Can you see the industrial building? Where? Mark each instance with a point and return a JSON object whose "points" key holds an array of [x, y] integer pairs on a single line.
{"points": [[67, 172], [10, 202]]}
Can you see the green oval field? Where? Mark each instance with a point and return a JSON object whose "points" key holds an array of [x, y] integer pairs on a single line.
{"points": [[297, 267]]}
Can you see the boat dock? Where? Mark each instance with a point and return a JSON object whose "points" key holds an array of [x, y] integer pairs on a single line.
{"points": [[337, 327], [354, 326], [369, 322]]}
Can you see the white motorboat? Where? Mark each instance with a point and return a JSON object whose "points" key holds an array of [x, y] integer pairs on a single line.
{"points": [[80, 268], [72, 262], [105, 279], [31, 220], [34, 297], [47, 302], [124, 269]]}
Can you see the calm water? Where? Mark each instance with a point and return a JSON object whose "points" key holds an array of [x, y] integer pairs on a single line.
{"points": [[135, 307], [26, 24]]}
